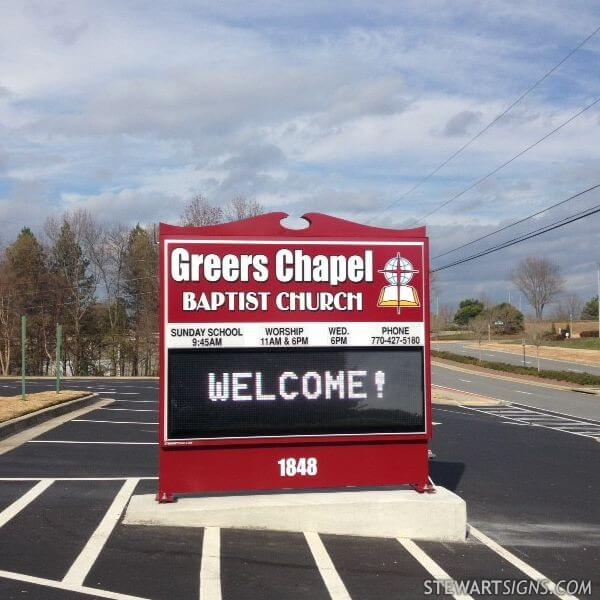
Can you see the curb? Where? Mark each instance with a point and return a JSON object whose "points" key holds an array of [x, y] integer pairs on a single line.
{"points": [[499, 375], [23, 422]]}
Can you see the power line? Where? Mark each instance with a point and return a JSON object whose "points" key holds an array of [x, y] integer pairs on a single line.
{"points": [[535, 214], [492, 122], [560, 223], [504, 164]]}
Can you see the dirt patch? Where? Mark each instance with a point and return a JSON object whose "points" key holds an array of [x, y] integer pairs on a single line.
{"points": [[443, 395], [578, 355], [13, 406]]}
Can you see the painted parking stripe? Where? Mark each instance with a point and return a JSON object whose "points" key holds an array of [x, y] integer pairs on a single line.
{"points": [[88, 442], [86, 559], [132, 409], [138, 401], [545, 419], [333, 582], [115, 422], [18, 505], [58, 585], [210, 565], [141, 478], [429, 564], [518, 563]]}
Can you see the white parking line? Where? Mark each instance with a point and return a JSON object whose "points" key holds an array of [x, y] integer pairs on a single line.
{"points": [[538, 418], [132, 409], [116, 422], [105, 443], [128, 393], [85, 561], [210, 565], [139, 401], [522, 392], [465, 380], [429, 564], [333, 582], [518, 563], [141, 478], [18, 505], [456, 412], [58, 585]]}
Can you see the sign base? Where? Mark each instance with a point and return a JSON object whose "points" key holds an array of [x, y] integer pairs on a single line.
{"points": [[382, 513]]}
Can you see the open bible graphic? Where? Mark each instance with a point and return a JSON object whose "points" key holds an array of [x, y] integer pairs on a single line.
{"points": [[399, 272]]}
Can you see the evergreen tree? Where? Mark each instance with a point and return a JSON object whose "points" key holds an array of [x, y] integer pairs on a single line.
{"points": [[26, 275], [141, 297], [467, 310], [590, 310], [74, 292]]}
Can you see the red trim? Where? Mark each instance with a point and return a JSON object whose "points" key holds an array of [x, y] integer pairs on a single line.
{"points": [[269, 225]]}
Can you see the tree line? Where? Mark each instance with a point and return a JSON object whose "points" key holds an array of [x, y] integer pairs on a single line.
{"points": [[100, 282]]}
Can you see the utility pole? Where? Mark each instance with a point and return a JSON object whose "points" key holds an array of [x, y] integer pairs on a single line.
{"points": [[598, 300], [23, 354], [437, 306], [509, 296], [570, 325]]}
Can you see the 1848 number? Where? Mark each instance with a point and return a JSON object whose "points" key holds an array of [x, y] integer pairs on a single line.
{"points": [[290, 467]]}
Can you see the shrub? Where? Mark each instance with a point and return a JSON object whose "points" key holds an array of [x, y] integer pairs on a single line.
{"points": [[589, 334], [577, 378], [553, 337]]}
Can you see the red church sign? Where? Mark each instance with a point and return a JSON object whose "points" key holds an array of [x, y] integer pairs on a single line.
{"points": [[293, 358]]}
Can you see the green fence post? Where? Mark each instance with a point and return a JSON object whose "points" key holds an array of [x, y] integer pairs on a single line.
{"points": [[58, 363], [23, 353]]}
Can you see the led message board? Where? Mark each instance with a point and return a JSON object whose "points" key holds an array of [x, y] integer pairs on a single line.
{"points": [[279, 346]]}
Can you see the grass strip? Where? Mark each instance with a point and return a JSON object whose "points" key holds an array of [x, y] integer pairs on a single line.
{"points": [[567, 376], [12, 406]]}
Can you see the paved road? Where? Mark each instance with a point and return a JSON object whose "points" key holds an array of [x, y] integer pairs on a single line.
{"points": [[564, 401], [531, 489], [468, 349]]}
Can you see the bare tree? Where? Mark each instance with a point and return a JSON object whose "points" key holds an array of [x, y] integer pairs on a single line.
{"points": [[539, 280], [75, 283], [106, 248], [443, 318], [199, 212], [479, 327], [534, 331], [569, 307], [242, 208]]}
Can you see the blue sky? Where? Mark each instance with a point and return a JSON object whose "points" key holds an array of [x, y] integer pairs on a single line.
{"points": [[129, 109]]}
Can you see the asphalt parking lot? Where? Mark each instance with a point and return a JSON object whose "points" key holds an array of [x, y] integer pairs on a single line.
{"points": [[530, 483]]}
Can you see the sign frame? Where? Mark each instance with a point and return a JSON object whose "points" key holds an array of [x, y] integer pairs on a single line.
{"points": [[206, 465]]}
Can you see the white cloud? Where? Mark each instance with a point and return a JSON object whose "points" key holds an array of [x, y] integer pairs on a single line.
{"points": [[129, 109]]}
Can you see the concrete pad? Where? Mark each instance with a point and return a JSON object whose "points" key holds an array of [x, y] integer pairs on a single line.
{"points": [[441, 516]]}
